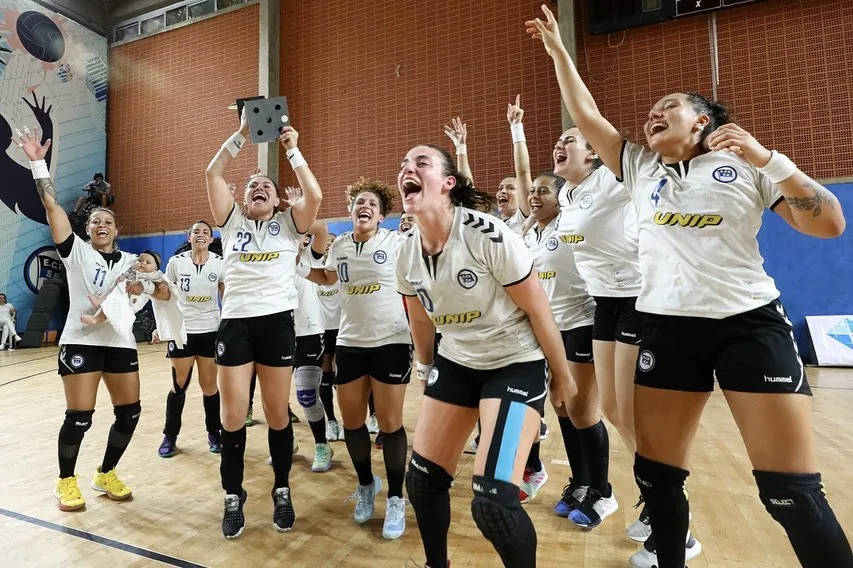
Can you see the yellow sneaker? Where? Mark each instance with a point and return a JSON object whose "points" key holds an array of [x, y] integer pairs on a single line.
{"points": [[110, 484], [68, 493]]}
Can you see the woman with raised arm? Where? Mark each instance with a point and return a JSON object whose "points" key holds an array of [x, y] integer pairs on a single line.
{"points": [[469, 276], [197, 278], [89, 353], [374, 349], [711, 312], [256, 333]]}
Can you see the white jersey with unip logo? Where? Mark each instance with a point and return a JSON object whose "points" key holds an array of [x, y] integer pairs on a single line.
{"points": [[463, 291], [554, 261], [600, 219], [198, 289], [698, 223], [516, 221], [260, 264], [330, 304], [88, 272], [371, 312], [308, 317]]}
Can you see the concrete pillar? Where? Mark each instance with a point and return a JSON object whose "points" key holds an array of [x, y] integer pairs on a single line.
{"points": [[268, 76], [566, 21]]}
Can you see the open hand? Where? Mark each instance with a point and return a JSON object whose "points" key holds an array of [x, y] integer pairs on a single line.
{"points": [[30, 143], [548, 31]]}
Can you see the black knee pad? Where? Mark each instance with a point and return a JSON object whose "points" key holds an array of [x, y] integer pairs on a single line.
{"points": [[795, 501], [659, 481], [179, 390], [75, 425], [497, 511], [424, 479], [127, 417]]}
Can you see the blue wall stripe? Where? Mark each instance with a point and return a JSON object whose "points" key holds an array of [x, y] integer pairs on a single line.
{"points": [[509, 441]]}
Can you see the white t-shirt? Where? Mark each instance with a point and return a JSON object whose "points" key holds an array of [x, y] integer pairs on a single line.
{"points": [[371, 312], [516, 221], [330, 304], [599, 218], [89, 272], [462, 290], [697, 233], [554, 261], [308, 317], [260, 264], [6, 311], [198, 289]]}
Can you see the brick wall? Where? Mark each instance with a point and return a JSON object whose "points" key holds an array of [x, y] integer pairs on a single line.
{"points": [[168, 116], [368, 79], [784, 67]]}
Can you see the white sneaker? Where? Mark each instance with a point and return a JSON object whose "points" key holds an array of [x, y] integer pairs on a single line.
{"points": [[647, 558], [641, 529], [593, 509], [372, 424], [532, 482], [365, 495], [395, 518], [322, 458], [333, 431], [17, 338]]}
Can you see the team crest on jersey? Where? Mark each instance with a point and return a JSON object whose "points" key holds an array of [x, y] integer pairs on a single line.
{"points": [[380, 256], [433, 377], [274, 228], [77, 361], [552, 243], [586, 201], [466, 279], [220, 348], [646, 361], [725, 174], [212, 277], [171, 346]]}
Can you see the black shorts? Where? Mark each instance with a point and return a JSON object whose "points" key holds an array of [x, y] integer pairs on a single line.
{"points": [[617, 319], [197, 345], [750, 352], [330, 341], [521, 382], [309, 351], [78, 359], [390, 364], [267, 340], [578, 344]]}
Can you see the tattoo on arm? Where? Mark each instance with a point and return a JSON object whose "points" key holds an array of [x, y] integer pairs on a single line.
{"points": [[45, 188], [813, 203]]}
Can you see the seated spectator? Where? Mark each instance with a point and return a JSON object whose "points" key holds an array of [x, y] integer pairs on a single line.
{"points": [[7, 322], [99, 194]]}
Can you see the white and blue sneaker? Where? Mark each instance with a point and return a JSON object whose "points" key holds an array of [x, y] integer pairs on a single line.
{"points": [[365, 495], [647, 557], [395, 518]]}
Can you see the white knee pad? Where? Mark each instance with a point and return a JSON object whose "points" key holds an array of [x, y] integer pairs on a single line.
{"points": [[308, 392]]}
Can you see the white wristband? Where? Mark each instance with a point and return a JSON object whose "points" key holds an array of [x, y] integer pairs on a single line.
{"points": [[296, 159], [424, 371], [234, 144], [147, 286], [461, 149], [779, 168], [303, 270], [39, 169], [517, 130]]}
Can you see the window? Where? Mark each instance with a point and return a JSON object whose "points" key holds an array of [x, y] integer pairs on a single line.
{"points": [[221, 4], [200, 9], [152, 25], [127, 32], [176, 16], [178, 12]]}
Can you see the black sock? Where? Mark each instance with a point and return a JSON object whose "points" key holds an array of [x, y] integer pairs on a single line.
{"points": [[358, 446], [662, 487], [574, 452], [231, 465], [70, 437], [394, 449], [318, 428], [371, 405], [327, 395], [127, 417], [281, 452], [428, 487], [596, 448], [174, 410], [211, 412], [533, 461]]}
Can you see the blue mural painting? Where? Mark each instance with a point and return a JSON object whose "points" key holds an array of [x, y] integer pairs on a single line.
{"points": [[53, 76]]}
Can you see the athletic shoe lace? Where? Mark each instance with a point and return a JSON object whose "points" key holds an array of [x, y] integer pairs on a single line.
{"points": [[232, 509], [323, 453], [395, 511], [68, 489], [111, 482]]}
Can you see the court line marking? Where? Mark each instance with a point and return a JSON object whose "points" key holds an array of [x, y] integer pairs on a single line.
{"points": [[118, 545], [26, 377]]}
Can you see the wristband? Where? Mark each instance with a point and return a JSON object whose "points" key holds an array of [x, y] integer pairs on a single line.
{"points": [[461, 149], [424, 371], [147, 286], [39, 169], [234, 144], [779, 168], [296, 159], [517, 129], [303, 270]]}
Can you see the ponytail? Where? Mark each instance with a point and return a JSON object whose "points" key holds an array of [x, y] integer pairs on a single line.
{"points": [[718, 113]]}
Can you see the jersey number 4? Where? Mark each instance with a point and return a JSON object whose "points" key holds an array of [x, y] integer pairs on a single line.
{"points": [[242, 240]]}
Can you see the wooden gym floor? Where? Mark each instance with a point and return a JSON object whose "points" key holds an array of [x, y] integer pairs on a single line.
{"points": [[175, 516]]}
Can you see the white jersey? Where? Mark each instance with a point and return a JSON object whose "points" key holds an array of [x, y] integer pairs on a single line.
{"points": [[600, 219], [330, 304], [308, 317], [554, 261], [6, 311], [198, 289], [462, 290], [260, 264], [372, 314], [697, 233], [90, 272], [515, 221]]}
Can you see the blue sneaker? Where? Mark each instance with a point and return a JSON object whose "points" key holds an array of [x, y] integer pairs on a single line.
{"points": [[573, 494], [214, 442], [167, 448]]}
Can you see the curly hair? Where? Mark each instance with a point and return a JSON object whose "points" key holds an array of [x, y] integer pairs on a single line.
{"points": [[378, 188]]}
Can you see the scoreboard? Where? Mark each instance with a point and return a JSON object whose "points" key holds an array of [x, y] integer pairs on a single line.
{"points": [[606, 16]]}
